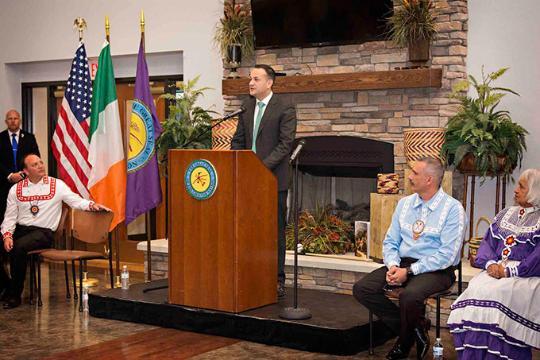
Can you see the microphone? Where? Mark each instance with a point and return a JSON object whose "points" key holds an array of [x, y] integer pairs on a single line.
{"points": [[296, 151], [234, 113]]}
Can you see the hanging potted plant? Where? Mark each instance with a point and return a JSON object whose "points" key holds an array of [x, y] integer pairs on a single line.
{"points": [[234, 34], [480, 138], [413, 25]]}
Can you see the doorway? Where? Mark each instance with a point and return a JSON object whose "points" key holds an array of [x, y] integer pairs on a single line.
{"points": [[41, 104]]}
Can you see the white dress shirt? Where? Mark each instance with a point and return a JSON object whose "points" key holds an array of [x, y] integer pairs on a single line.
{"points": [[48, 195], [17, 135], [266, 100]]}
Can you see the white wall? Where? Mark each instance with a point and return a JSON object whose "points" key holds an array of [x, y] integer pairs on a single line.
{"points": [[42, 31], [39, 114], [505, 33]]}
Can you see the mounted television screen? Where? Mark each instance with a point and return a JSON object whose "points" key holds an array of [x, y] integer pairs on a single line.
{"points": [[288, 23]]}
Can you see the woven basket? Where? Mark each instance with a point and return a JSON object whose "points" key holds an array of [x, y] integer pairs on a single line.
{"points": [[474, 242], [388, 183], [422, 142], [223, 134]]}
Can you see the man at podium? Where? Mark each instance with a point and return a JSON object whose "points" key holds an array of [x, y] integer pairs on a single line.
{"points": [[268, 127]]}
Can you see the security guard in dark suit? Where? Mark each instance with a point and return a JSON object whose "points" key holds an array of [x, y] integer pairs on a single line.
{"points": [[15, 144]]}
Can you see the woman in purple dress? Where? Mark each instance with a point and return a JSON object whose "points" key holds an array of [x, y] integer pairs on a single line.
{"points": [[498, 316]]}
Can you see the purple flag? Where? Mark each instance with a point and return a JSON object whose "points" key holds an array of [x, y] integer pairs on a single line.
{"points": [[143, 187]]}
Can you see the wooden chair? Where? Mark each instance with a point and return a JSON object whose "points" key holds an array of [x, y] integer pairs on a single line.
{"points": [[87, 227], [33, 256], [437, 296]]}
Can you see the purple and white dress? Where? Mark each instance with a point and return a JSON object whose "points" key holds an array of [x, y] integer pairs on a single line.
{"points": [[500, 318]]}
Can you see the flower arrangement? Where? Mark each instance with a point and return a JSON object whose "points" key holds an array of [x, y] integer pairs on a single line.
{"points": [[321, 232], [234, 29]]}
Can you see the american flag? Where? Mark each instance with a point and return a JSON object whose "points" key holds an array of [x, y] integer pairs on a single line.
{"points": [[70, 139]]}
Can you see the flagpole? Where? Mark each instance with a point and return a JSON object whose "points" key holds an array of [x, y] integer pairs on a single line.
{"points": [[147, 215], [116, 237], [79, 24], [107, 30]]}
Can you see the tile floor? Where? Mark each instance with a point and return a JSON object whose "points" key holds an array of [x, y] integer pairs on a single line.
{"points": [[30, 332]]}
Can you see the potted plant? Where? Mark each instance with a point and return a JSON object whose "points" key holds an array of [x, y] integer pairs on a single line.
{"points": [[480, 138], [187, 125], [321, 232], [234, 34], [412, 24]]}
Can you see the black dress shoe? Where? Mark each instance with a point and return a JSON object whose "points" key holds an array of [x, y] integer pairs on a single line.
{"points": [[422, 343], [281, 290], [12, 302], [399, 351]]}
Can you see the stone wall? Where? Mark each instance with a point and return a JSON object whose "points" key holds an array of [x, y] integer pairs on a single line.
{"points": [[376, 114]]}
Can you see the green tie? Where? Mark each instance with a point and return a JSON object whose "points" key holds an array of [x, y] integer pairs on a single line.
{"points": [[261, 105]]}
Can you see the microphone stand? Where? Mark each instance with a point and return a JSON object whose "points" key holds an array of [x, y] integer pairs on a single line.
{"points": [[295, 312]]}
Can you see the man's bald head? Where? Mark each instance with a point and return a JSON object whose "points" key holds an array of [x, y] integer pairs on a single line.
{"points": [[13, 120]]}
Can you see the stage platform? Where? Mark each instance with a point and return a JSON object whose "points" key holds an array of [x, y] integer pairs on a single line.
{"points": [[339, 324]]}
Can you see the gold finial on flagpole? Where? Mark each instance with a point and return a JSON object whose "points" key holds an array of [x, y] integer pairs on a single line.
{"points": [[107, 28], [142, 21], [79, 24]]}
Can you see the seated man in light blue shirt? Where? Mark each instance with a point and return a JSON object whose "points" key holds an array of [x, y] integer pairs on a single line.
{"points": [[421, 249]]}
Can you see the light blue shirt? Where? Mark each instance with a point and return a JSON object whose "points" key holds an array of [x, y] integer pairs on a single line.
{"points": [[439, 244]]}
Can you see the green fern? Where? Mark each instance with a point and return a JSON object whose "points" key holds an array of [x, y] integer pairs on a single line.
{"points": [[186, 123], [483, 131]]}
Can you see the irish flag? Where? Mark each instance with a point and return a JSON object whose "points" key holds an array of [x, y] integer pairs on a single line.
{"points": [[107, 180]]}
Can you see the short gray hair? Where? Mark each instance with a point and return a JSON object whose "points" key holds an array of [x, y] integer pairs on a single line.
{"points": [[434, 168], [533, 181]]}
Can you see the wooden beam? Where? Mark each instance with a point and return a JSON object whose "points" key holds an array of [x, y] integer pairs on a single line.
{"points": [[366, 80]]}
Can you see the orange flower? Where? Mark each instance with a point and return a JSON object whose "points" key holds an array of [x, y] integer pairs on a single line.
{"points": [[506, 252], [334, 236]]}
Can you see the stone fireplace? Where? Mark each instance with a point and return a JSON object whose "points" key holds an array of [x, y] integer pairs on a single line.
{"points": [[376, 108], [342, 171], [367, 91]]}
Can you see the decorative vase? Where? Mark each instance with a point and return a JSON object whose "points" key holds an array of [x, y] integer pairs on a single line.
{"points": [[419, 50], [234, 58], [422, 142]]}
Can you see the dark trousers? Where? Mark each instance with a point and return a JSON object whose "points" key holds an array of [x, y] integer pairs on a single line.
{"points": [[25, 239], [410, 313], [282, 223]]}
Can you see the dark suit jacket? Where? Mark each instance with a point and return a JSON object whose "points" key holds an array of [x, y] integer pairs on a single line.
{"points": [[274, 139], [27, 145]]}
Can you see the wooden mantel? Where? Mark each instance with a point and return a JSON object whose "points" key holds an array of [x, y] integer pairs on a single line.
{"points": [[366, 80]]}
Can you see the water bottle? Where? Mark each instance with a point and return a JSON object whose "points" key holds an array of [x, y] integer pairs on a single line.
{"points": [[438, 350], [125, 278], [85, 298]]}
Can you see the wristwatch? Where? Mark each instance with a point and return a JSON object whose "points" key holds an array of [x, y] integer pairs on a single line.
{"points": [[409, 270]]}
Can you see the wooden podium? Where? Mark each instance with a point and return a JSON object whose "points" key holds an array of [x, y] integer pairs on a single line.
{"points": [[223, 250]]}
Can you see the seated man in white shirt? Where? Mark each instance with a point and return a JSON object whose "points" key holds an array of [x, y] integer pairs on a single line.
{"points": [[421, 248], [33, 211]]}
